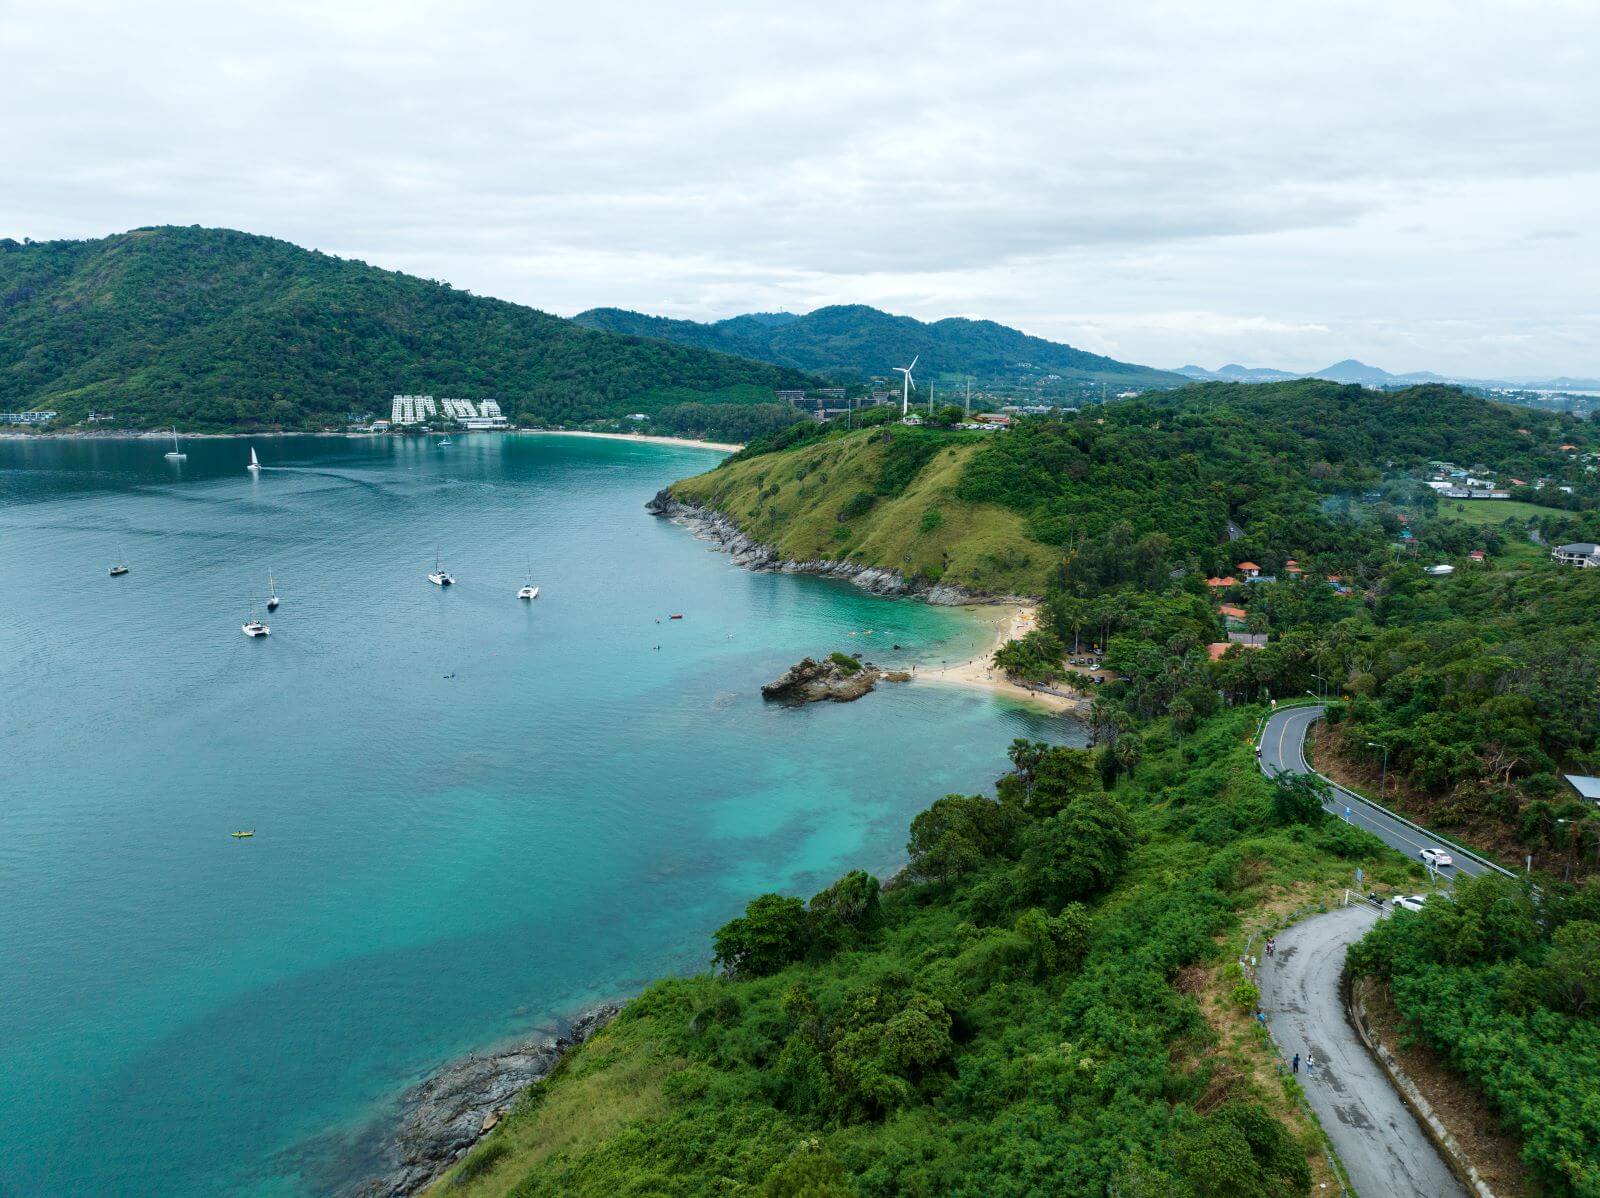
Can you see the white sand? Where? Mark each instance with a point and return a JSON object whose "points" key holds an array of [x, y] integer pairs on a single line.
{"points": [[980, 672]]}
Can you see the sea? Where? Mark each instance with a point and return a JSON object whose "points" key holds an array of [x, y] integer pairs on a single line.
{"points": [[473, 815]]}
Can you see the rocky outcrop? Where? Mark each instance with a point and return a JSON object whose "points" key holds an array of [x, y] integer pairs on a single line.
{"points": [[828, 680], [444, 1116], [711, 525]]}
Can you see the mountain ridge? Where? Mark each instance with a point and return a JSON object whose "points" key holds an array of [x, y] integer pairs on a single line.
{"points": [[856, 341], [214, 328], [1352, 370]]}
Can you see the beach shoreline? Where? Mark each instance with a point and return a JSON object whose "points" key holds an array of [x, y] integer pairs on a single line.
{"points": [[978, 673], [162, 434], [643, 438]]}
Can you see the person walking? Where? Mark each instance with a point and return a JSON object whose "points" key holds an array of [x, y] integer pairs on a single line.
{"points": [[1311, 1065], [1296, 1062]]}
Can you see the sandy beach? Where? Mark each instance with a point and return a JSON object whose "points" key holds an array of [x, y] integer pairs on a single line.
{"points": [[979, 672], [728, 446]]}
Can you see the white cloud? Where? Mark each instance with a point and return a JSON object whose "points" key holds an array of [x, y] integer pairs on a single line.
{"points": [[1166, 181]]}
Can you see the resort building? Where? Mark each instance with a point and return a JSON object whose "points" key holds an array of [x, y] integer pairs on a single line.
{"points": [[412, 409], [1583, 554], [26, 417]]}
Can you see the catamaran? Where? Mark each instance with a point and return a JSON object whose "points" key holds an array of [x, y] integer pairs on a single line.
{"points": [[439, 577], [272, 593], [255, 628], [255, 465], [120, 566], [529, 591], [176, 454]]}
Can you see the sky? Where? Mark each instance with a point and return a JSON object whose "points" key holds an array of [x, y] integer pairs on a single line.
{"points": [[1413, 184]]}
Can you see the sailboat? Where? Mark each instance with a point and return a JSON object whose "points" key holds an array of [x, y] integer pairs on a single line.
{"points": [[176, 455], [120, 566], [439, 577], [255, 465], [445, 442], [255, 628], [529, 591], [272, 593]]}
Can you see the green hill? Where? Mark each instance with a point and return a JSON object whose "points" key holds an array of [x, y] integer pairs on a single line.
{"points": [[852, 342], [212, 328], [893, 503], [1168, 472]]}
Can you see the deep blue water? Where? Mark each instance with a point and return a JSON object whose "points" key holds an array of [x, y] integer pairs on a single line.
{"points": [[472, 814]]}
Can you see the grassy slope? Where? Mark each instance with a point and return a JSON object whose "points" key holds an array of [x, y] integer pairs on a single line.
{"points": [[793, 500], [1493, 511], [653, 1106]]}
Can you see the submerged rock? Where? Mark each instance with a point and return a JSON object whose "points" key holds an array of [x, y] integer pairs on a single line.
{"points": [[813, 681], [444, 1116]]}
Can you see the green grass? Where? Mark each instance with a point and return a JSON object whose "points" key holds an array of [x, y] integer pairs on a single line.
{"points": [[1493, 511], [794, 501]]}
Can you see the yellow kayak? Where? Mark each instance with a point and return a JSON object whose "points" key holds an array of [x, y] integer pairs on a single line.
{"points": [[242, 835]]}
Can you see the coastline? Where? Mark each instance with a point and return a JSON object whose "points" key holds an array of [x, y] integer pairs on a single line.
{"points": [[647, 438], [161, 434], [441, 1117], [978, 673]]}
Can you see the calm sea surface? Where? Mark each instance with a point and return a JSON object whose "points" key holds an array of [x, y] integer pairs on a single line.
{"points": [[472, 815]]}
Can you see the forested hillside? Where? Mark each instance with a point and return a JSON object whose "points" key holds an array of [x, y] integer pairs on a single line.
{"points": [[1048, 1005], [1484, 685], [854, 342], [211, 328]]}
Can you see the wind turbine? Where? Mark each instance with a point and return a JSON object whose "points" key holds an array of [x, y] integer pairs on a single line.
{"points": [[905, 394]]}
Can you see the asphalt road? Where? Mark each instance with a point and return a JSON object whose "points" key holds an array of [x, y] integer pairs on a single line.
{"points": [[1283, 748], [1383, 1148]]}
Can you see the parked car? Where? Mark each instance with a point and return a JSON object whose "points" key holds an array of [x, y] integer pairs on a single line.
{"points": [[1411, 902], [1437, 858]]}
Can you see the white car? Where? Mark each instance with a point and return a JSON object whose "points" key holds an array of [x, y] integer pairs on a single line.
{"points": [[1437, 858], [1410, 902]]}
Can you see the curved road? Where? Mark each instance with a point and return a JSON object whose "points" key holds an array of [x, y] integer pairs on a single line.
{"points": [[1283, 749], [1382, 1146]]}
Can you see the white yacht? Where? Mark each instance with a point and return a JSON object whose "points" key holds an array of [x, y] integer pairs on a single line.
{"points": [[272, 593], [440, 577], [120, 566], [528, 591], [255, 463], [255, 628], [176, 454]]}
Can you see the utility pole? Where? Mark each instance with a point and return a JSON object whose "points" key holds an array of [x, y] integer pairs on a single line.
{"points": [[969, 397], [1383, 778]]}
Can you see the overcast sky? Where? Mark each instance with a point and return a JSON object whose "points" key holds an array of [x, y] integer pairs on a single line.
{"points": [[1413, 184]]}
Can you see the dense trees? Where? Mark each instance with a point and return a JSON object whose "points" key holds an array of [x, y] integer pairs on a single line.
{"points": [[1503, 987], [210, 328], [1008, 1027], [853, 342]]}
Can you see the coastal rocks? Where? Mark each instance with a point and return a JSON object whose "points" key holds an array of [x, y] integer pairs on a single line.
{"points": [[442, 1117], [713, 526], [836, 679]]}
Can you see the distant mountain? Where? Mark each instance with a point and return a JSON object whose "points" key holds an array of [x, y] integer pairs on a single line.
{"points": [[1352, 371], [856, 342], [215, 328]]}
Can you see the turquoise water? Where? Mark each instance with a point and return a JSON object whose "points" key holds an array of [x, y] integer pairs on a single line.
{"points": [[472, 814]]}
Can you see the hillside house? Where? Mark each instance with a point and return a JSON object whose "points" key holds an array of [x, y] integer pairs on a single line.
{"points": [[1583, 554]]}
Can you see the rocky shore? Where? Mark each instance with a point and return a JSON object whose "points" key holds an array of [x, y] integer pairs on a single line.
{"points": [[720, 530], [833, 679], [444, 1116]]}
